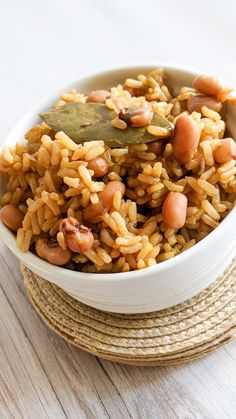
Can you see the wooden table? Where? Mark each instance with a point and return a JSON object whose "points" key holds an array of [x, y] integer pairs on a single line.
{"points": [[41, 376]]}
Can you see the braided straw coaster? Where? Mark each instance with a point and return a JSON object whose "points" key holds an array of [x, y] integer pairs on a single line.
{"points": [[177, 334]]}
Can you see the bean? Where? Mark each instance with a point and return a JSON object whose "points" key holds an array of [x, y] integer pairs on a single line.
{"points": [[209, 85], [186, 138], [12, 217], [155, 147], [98, 96], [99, 166], [49, 250], [93, 213], [78, 237], [195, 103], [138, 118], [226, 151], [174, 210], [106, 196]]}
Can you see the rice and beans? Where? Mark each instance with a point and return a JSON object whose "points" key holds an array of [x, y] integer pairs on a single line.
{"points": [[92, 207]]}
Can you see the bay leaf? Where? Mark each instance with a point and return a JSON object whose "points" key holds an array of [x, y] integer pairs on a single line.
{"points": [[84, 122]]}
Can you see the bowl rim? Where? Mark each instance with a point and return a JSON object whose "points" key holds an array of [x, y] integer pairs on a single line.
{"points": [[32, 260]]}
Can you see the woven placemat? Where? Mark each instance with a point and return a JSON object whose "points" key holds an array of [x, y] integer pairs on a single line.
{"points": [[177, 334]]}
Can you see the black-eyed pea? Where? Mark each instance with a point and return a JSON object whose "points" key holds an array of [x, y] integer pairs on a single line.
{"points": [[78, 237], [138, 118]]}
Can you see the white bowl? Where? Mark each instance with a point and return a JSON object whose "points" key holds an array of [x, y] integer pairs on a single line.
{"points": [[158, 287]]}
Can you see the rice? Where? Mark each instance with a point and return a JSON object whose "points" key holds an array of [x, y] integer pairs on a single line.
{"points": [[158, 131], [118, 123], [130, 249], [207, 187], [7, 156], [133, 83], [128, 240], [171, 186], [120, 223], [65, 141], [210, 210], [93, 153], [34, 224], [73, 182], [61, 240], [48, 179]]}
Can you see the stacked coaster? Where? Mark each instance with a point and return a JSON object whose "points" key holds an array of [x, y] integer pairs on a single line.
{"points": [[177, 334]]}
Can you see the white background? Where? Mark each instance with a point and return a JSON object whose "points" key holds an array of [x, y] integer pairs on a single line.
{"points": [[45, 44]]}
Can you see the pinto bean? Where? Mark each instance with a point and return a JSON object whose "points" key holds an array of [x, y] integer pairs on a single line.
{"points": [[106, 196], [186, 138], [226, 151], [49, 249], [78, 237], [12, 217], [93, 213], [98, 96], [195, 103], [209, 85], [174, 210], [99, 166]]}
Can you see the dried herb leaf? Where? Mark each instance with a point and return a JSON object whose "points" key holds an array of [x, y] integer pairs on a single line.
{"points": [[84, 122]]}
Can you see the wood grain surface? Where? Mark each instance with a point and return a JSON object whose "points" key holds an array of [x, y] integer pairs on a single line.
{"points": [[41, 376]]}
